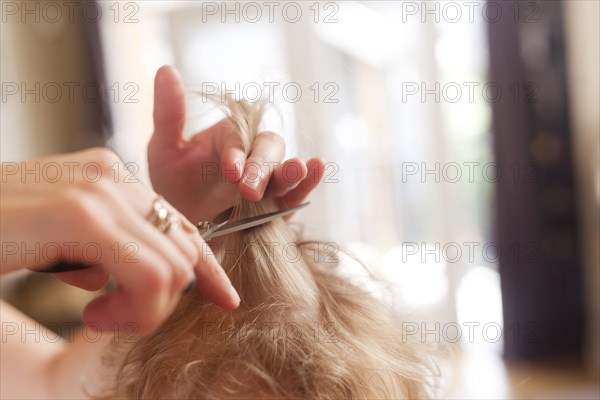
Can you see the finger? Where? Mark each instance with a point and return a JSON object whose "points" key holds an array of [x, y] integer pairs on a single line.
{"points": [[185, 238], [210, 277], [287, 176], [174, 247], [233, 156], [213, 281], [268, 149], [143, 297], [227, 146], [316, 170], [169, 108], [181, 233], [133, 203], [91, 279]]}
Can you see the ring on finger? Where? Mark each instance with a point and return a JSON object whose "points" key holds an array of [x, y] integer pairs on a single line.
{"points": [[161, 217]]}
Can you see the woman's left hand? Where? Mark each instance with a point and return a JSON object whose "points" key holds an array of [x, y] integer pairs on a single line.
{"points": [[203, 175]]}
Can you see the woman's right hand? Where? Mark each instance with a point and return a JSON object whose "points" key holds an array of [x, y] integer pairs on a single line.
{"points": [[86, 207]]}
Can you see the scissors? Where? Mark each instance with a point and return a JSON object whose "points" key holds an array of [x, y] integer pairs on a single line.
{"points": [[219, 226], [222, 225]]}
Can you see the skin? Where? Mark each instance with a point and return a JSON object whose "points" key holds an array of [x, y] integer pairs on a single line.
{"points": [[77, 207], [201, 196], [109, 213], [36, 364]]}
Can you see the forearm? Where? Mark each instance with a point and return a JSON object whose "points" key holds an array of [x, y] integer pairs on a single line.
{"points": [[80, 371], [36, 363]]}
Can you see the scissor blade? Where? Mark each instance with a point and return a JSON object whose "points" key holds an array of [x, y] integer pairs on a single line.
{"points": [[245, 223]]}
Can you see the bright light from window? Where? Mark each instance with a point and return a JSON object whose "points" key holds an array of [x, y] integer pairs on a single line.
{"points": [[352, 132], [479, 299], [420, 282]]}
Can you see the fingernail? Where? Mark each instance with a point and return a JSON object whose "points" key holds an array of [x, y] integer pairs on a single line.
{"points": [[190, 285], [234, 295], [252, 182], [239, 168]]}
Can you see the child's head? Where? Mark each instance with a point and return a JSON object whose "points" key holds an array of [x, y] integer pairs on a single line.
{"points": [[302, 330]]}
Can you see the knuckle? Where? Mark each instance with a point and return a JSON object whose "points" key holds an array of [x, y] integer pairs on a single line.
{"points": [[103, 190], [79, 205], [81, 212], [158, 278], [104, 157]]}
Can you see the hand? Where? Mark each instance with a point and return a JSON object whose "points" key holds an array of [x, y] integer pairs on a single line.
{"points": [[203, 175], [77, 208]]}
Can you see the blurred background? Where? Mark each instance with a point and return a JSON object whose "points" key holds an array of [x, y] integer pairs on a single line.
{"points": [[462, 141]]}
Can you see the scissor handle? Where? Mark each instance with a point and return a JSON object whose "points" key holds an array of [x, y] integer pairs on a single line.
{"points": [[63, 266]]}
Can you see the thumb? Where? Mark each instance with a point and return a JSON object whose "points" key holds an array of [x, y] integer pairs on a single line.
{"points": [[169, 107]]}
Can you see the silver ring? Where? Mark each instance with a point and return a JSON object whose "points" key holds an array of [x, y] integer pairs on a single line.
{"points": [[161, 217]]}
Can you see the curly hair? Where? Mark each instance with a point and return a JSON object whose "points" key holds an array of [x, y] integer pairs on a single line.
{"points": [[302, 330]]}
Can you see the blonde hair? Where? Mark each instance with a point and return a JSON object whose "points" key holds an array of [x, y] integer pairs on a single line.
{"points": [[303, 329]]}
